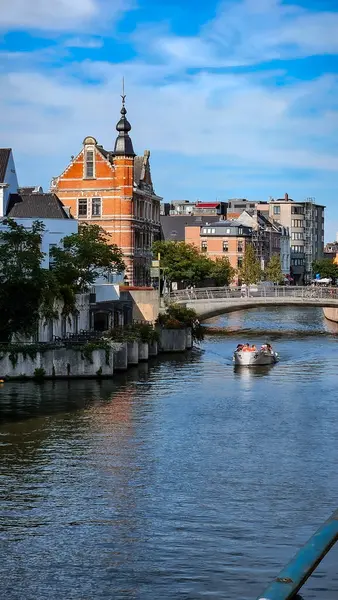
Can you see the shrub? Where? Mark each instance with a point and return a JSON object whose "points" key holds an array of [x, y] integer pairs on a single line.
{"points": [[178, 316]]}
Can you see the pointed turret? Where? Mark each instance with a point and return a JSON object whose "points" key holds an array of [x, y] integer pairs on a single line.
{"points": [[123, 144]]}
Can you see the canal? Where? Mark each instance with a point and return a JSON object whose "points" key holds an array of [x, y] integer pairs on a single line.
{"points": [[182, 479]]}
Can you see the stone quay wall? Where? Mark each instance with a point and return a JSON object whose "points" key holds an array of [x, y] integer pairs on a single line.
{"points": [[65, 363]]}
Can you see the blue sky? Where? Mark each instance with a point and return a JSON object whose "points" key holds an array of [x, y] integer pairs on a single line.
{"points": [[234, 99]]}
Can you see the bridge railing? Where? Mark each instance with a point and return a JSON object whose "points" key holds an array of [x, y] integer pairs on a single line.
{"points": [[222, 293], [291, 579]]}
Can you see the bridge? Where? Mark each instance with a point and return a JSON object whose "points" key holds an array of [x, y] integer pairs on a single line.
{"points": [[210, 302]]}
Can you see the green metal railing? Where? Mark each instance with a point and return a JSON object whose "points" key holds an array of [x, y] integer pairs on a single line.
{"points": [[295, 574]]}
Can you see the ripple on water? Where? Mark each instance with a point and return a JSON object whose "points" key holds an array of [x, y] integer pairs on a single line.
{"points": [[184, 478]]}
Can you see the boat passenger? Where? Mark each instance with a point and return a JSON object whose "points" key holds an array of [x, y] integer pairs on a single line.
{"points": [[239, 347], [253, 348]]}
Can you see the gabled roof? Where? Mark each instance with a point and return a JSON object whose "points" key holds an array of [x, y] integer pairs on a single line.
{"points": [[36, 206], [4, 158]]}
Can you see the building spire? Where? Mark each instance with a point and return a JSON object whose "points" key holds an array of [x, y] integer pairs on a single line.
{"points": [[123, 144]]}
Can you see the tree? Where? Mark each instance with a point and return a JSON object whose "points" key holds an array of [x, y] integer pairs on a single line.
{"points": [[274, 270], [182, 262], [326, 268], [222, 271], [250, 271], [24, 284], [85, 256]]}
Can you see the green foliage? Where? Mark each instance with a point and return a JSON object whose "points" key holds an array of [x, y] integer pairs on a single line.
{"points": [[178, 316], [88, 349], [142, 332], [22, 279], [183, 262], [326, 268], [29, 292], [85, 256], [250, 271], [222, 271], [27, 350], [146, 332], [39, 374], [273, 270]]}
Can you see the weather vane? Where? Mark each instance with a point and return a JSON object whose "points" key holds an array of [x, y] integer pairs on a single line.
{"points": [[123, 96]]}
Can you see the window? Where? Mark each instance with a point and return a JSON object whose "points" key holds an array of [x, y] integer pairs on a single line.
{"points": [[297, 249], [204, 246], [225, 246], [239, 262], [51, 258], [297, 223], [96, 207], [228, 230], [209, 231], [204, 231], [240, 247], [240, 231], [276, 210], [297, 210], [297, 262], [213, 231], [297, 235], [82, 208], [89, 170]]}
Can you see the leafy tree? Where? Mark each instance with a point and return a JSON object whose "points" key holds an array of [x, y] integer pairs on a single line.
{"points": [[84, 256], [182, 262], [326, 268], [24, 284], [250, 271], [274, 270], [28, 292], [222, 271]]}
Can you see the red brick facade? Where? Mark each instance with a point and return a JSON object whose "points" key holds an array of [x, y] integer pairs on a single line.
{"points": [[114, 190]]}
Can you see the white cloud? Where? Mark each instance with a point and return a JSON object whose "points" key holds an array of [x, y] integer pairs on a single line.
{"points": [[250, 124], [58, 15], [247, 32], [226, 124], [83, 42]]}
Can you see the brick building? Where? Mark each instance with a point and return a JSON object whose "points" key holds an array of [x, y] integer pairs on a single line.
{"points": [[114, 189], [221, 238]]}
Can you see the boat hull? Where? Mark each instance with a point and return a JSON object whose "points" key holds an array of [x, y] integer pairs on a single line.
{"points": [[253, 359]]}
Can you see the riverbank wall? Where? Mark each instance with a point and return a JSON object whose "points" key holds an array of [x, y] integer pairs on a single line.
{"points": [[61, 362]]}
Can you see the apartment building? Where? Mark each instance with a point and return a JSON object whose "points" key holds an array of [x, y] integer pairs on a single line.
{"points": [[305, 221], [178, 208], [221, 238]]}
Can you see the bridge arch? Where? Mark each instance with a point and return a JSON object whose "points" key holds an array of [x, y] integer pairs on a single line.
{"points": [[212, 302]]}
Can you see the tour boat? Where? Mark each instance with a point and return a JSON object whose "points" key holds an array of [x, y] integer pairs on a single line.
{"points": [[249, 357]]}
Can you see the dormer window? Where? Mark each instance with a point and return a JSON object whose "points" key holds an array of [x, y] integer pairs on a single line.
{"points": [[89, 163]]}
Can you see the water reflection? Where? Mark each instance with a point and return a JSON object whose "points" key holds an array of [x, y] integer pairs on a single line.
{"points": [[182, 478]]}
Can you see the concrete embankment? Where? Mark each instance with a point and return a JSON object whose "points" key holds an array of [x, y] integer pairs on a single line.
{"points": [[81, 362]]}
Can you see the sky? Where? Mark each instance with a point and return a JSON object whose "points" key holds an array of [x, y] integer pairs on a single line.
{"points": [[234, 98]]}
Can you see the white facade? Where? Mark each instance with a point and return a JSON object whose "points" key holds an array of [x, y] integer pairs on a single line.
{"points": [[9, 185], [54, 232], [64, 326]]}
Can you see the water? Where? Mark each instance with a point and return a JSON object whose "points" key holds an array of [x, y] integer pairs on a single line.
{"points": [[182, 479]]}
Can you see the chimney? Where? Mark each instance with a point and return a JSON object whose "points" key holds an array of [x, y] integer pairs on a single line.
{"points": [[286, 197]]}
